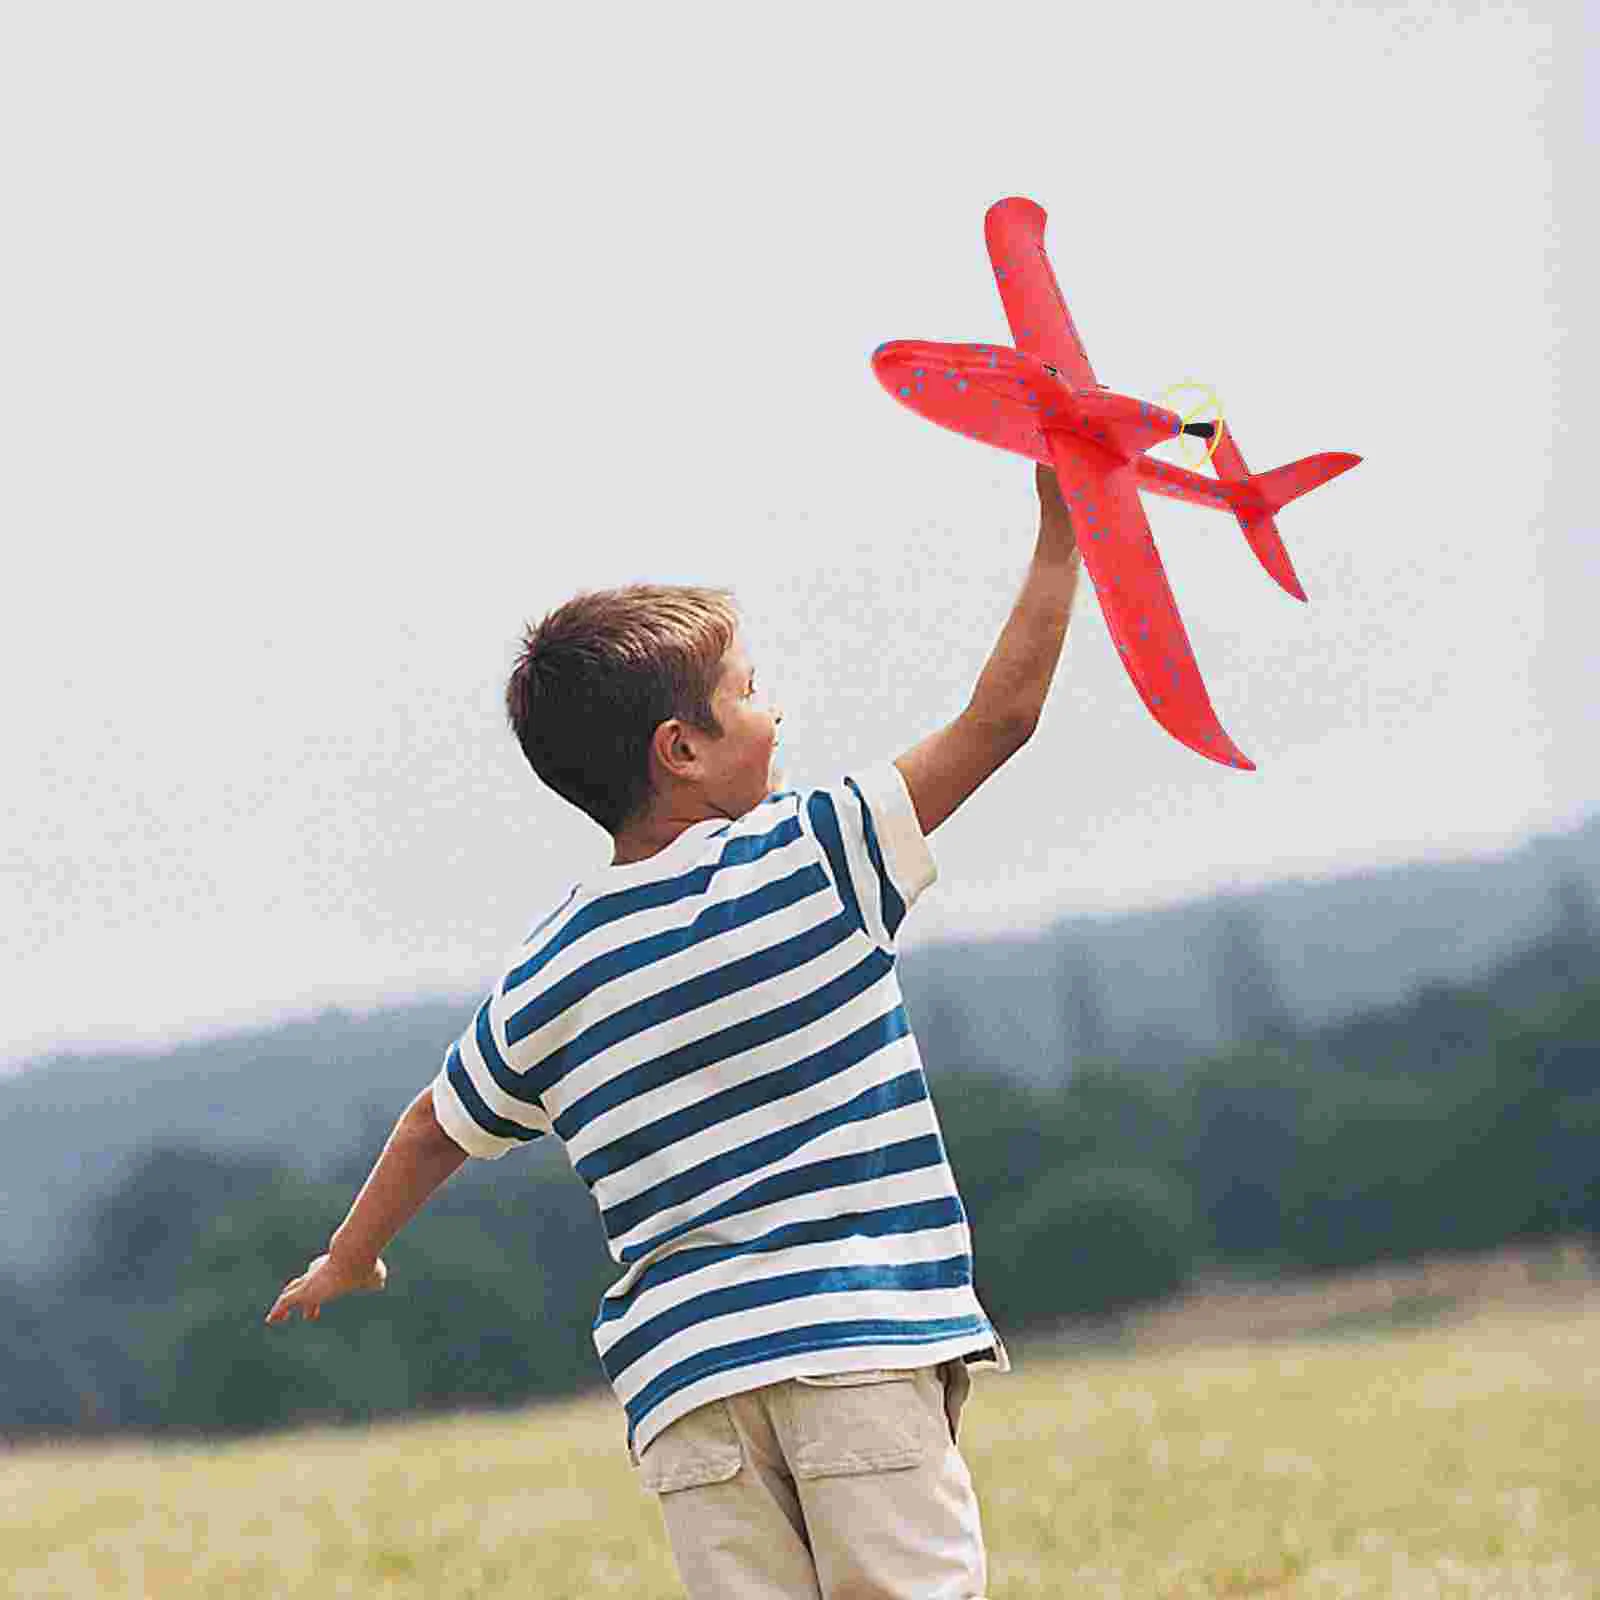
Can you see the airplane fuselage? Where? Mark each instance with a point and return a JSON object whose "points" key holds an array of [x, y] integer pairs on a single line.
{"points": [[1118, 423]]}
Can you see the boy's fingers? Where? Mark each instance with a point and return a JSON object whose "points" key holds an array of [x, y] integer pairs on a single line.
{"points": [[283, 1307], [298, 1293]]}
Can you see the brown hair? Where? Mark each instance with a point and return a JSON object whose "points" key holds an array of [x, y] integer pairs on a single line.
{"points": [[601, 673]]}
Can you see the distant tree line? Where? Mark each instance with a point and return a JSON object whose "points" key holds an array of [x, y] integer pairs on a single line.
{"points": [[1467, 1118]]}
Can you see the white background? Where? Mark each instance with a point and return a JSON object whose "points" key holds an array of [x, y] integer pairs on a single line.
{"points": [[338, 341]]}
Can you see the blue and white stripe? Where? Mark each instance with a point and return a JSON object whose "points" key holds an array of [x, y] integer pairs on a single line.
{"points": [[717, 1036]]}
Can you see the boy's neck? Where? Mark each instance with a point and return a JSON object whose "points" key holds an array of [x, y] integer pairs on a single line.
{"points": [[650, 837]]}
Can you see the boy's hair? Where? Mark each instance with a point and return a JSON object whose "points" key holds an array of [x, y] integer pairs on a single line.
{"points": [[601, 673]]}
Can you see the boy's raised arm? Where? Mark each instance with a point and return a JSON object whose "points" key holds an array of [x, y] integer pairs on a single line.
{"points": [[949, 765]]}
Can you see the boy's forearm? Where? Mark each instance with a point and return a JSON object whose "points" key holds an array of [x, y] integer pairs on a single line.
{"points": [[1012, 687], [419, 1156]]}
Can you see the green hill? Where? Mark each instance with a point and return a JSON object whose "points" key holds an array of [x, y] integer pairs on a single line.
{"points": [[1154, 990]]}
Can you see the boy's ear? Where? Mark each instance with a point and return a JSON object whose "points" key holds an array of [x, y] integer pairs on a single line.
{"points": [[670, 746]]}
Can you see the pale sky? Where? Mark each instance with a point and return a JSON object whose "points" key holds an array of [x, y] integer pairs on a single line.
{"points": [[337, 341]]}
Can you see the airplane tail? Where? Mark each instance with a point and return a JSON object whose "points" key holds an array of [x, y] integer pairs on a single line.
{"points": [[1268, 492]]}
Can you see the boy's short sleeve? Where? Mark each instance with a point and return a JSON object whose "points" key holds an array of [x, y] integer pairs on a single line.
{"points": [[477, 1097], [876, 852]]}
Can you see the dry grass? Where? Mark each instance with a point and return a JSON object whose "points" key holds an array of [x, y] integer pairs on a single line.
{"points": [[1435, 1289], [1452, 1461]]}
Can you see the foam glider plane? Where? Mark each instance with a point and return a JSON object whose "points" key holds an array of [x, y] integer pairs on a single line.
{"points": [[1041, 400]]}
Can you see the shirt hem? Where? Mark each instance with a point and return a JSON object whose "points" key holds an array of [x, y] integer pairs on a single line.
{"points": [[974, 1348]]}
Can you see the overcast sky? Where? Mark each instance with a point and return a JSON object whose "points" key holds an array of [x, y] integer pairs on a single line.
{"points": [[337, 341]]}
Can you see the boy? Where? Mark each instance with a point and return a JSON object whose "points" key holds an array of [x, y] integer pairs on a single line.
{"points": [[713, 1027]]}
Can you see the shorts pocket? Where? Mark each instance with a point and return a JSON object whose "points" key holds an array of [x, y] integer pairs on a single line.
{"points": [[852, 1422], [700, 1448], [957, 1386]]}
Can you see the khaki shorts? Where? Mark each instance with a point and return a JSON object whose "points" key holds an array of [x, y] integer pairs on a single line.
{"points": [[845, 1487]]}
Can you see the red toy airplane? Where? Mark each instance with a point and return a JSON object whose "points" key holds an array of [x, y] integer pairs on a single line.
{"points": [[1042, 401]]}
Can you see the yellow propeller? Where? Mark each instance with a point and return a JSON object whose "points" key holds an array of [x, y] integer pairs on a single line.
{"points": [[1195, 451]]}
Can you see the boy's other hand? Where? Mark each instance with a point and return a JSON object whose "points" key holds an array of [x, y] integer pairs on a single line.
{"points": [[327, 1278]]}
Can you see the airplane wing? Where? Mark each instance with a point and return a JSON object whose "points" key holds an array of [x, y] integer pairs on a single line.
{"points": [[1131, 585], [1040, 322]]}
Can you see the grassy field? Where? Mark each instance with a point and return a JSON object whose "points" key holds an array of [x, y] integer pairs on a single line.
{"points": [[1383, 1455]]}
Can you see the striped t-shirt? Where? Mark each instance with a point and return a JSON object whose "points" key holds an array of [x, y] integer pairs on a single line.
{"points": [[717, 1035]]}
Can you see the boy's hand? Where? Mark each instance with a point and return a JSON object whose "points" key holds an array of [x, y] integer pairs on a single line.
{"points": [[326, 1279]]}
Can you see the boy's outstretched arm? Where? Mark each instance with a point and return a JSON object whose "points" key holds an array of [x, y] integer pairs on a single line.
{"points": [[419, 1156], [947, 766]]}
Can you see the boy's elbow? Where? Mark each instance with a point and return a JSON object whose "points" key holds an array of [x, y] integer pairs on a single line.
{"points": [[1014, 730], [1008, 727]]}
